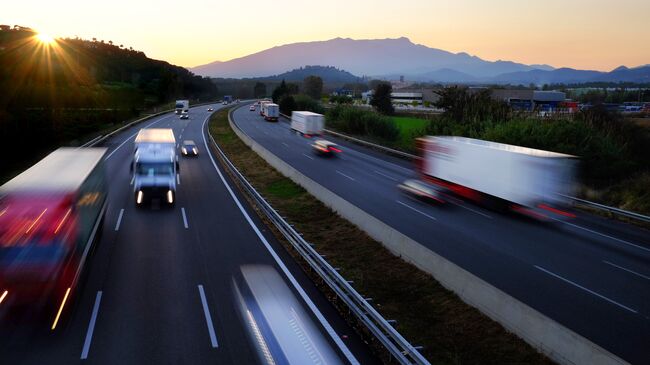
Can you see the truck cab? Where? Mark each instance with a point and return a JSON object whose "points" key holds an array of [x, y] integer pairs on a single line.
{"points": [[154, 174]]}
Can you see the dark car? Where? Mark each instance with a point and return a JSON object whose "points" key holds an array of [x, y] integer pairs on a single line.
{"points": [[189, 148], [210, 109], [185, 115]]}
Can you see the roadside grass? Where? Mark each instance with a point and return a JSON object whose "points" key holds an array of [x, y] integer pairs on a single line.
{"points": [[427, 314], [409, 129]]}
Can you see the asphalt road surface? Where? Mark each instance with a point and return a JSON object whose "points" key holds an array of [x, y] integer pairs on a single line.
{"points": [[590, 274]]}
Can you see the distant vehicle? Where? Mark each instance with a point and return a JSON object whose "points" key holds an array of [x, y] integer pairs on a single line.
{"points": [[50, 216], [184, 115], [422, 190], [307, 123], [189, 148], [210, 109], [262, 103], [155, 166], [252, 108], [227, 99], [271, 112], [325, 148], [525, 180], [182, 106]]}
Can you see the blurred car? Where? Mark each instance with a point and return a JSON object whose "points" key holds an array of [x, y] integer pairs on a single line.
{"points": [[325, 148], [185, 115], [189, 148], [252, 108], [210, 109], [224, 103], [421, 190]]}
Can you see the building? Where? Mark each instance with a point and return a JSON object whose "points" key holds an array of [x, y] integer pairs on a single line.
{"points": [[531, 99], [408, 96]]}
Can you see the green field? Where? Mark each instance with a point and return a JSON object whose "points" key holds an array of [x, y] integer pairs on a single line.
{"points": [[409, 129]]}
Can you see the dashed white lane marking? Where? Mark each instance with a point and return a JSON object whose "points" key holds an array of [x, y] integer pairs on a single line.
{"points": [[386, 176], [349, 177], [628, 270], [91, 327], [119, 220], [184, 218], [208, 318], [178, 179], [585, 289], [309, 157], [416, 210]]}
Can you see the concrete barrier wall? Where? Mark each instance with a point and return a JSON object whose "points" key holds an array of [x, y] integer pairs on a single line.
{"points": [[551, 338]]}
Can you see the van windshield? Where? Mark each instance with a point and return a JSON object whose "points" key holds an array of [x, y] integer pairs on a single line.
{"points": [[155, 169]]}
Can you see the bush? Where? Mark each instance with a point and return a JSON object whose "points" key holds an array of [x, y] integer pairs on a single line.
{"points": [[287, 104], [304, 102], [362, 122]]}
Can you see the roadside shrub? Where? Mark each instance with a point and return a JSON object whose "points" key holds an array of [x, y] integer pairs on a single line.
{"points": [[362, 122], [287, 104], [304, 102]]}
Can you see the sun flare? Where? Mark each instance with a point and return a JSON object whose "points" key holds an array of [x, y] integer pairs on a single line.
{"points": [[45, 38]]}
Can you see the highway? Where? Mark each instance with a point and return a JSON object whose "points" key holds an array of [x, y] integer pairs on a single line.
{"points": [[590, 274], [159, 287]]}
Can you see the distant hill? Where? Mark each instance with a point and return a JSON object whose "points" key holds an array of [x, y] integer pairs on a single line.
{"points": [[329, 74], [372, 57], [571, 76]]}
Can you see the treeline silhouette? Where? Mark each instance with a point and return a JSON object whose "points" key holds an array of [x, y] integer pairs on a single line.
{"points": [[59, 92]]}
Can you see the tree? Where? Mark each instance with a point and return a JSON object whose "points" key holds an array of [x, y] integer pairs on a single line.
{"points": [[280, 92], [381, 98], [313, 86], [259, 90], [287, 104]]}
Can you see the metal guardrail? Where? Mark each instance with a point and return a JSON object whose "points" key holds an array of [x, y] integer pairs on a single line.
{"points": [[396, 345], [617, 211]]}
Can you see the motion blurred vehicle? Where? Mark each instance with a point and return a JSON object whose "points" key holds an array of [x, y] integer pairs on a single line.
{"points": [[210, 109], [307, 123], [271, 112], [252, 108], [182, 106], [185, 115], [50, 216], [533, 182], [278, 327], [325, 148], [155, 166], [189, 148], [262, 103], [227, 99], [422, 190]]}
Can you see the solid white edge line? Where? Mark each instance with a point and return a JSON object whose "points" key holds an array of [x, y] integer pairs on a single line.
{"points": [[604, 235], [91, 327], [119, 220], [585, 289], [208, 318], [184, 218], [344, 349], [626, 269], [417, 210], [349, 177], [133, 135]]}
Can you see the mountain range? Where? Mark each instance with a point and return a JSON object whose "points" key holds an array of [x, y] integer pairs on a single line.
{"points": [[390, 58]]}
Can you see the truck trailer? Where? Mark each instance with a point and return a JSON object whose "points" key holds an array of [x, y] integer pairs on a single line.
{"points": [[50, 216], [529, 181], [154, 166], [307, 123], [182, 106], [271, 112]]}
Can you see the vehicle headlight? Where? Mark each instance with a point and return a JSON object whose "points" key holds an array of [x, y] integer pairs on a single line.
{"points": [[184, 150], [139, 198], [194, 150], [170, 196]]}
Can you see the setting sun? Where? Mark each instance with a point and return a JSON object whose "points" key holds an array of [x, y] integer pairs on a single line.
{"points": [[45, 38]]}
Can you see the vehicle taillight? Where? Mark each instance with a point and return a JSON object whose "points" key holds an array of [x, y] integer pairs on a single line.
{"points": [[335, 150], [556, 211]]}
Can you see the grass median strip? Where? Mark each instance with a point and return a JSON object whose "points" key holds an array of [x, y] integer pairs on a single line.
{"points": [[427, 314]]}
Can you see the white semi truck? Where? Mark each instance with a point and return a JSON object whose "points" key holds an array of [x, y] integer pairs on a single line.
{"points": [[182, 106], [530, 181], [271, 112], [155, 165], [309, 123]]}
